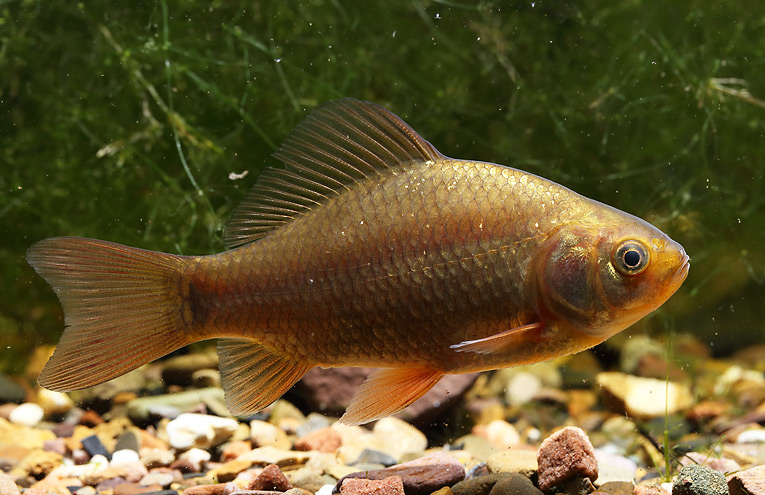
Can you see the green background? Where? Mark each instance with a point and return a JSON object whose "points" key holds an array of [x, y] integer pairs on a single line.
{"points": [[122, 121]]}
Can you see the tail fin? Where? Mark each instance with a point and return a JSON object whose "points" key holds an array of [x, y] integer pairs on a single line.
{"points": [[122, 308]]}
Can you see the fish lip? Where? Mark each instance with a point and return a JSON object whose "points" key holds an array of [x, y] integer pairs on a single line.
{"points": [[681, 273]]}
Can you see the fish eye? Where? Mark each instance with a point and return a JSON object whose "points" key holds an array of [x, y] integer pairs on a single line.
{"points": [[631, 258]]}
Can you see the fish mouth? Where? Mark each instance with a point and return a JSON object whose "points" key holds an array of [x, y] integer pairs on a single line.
{"points": [[678, 277]]}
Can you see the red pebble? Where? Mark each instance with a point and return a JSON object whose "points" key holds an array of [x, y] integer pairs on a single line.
{"points": [[271, 478], [391, 485], [566, 454]]}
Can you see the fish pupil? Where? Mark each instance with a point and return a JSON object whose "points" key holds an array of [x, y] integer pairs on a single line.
{"points": [[632, 258]]}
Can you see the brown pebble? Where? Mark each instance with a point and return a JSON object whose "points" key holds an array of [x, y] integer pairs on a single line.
{"points": [[184, 466], [565, 455], [748, 482], [91, 418], [357, 486], [228, 470], [234, 449], [325, 440], [271, 478], [649, 490], [135, 489], [216, 489]]}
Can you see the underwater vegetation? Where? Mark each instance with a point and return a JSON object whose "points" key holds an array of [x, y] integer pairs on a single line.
{"points": [[145, 124]]}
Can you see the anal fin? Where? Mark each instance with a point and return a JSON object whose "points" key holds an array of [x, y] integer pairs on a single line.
{"points": [[387, 391], [498, 341], [253, 376]]}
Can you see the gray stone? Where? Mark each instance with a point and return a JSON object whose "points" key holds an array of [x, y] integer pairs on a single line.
{"points": [[141, 410], [11, 391], [370, 456], [699, 480], [497, 484]]}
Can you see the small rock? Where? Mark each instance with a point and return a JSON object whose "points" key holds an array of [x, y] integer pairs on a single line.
{"points": [[27, 414], [129, 440], [179, 370], [38, 464], [501, 434], [196, 457], [566, 454], [617, 488], [649, 490], [7, 485], [271, 455], [135, 489], [234, 449], [644, 397], [699, 480], [199, 430], [369, 456], [325, 440], [420, 476], [513, 461], [721, 464], [522, 387], [152, 458], [142, 409], [331, 389], [205, 378], [748, 482], [613, 467], [397, 437], [57, 445], [265, 434], [11, 391], [162, 479], [478, 446], [229, 470], [123, 456], [271, 478], [496, 484], [93, 446], [387, 486], [305, 478], [54, 403]]}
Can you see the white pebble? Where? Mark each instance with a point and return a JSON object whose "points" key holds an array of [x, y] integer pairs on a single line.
{"points": [[199, 430], [196, 457], [27, 414], [751, 436], [123, 456], [325, 490]]}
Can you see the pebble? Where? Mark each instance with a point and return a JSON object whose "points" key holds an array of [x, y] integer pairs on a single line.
{"points": [[199, 430], [324, 440], [93, 446], [123, 456], [263, 433], [388, 486], [141, 410], [370, 456], [699, 480], [7, 485], [179, 370], [748, 482], [644, 397], [162, 479], [271, 478], [565, 455], [27, 414], [513, 461], [234, 449], [54, 403], [614, 468], [396, 437], [500, 434], [196, 457], [129, 440], [420, 476], [496, 484]]}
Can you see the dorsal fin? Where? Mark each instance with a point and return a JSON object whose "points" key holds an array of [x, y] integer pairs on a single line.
{"points": [[341, 143]]}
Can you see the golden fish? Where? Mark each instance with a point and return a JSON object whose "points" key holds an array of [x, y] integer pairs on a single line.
{"points": [[370, 249]]}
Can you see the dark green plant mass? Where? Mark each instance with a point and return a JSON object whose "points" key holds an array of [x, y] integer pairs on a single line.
{"points": [[136, 122]]}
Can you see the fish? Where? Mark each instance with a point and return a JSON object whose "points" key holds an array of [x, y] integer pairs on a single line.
{"points": [[368, 248]]}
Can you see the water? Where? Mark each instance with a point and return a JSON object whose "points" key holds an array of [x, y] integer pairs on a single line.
{"points": [[146, 124]]}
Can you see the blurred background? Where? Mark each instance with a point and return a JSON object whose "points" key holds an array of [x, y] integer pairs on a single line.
{"points": [[145, 123]]}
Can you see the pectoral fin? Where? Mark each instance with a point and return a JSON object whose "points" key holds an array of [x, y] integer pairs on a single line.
{"points": [[498, 341], [387, 391], [253, 376]]}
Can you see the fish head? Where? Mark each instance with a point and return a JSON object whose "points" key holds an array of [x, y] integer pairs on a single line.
{"points": [[600, 277]]}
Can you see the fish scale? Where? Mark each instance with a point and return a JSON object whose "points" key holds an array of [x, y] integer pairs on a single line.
{"points": [[370, 248]]}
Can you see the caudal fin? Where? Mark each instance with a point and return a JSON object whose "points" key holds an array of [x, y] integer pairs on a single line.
{"points": [[122, 308]]}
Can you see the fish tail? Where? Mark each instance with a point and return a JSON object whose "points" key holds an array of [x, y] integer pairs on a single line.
{"points": [[122, 308]]}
